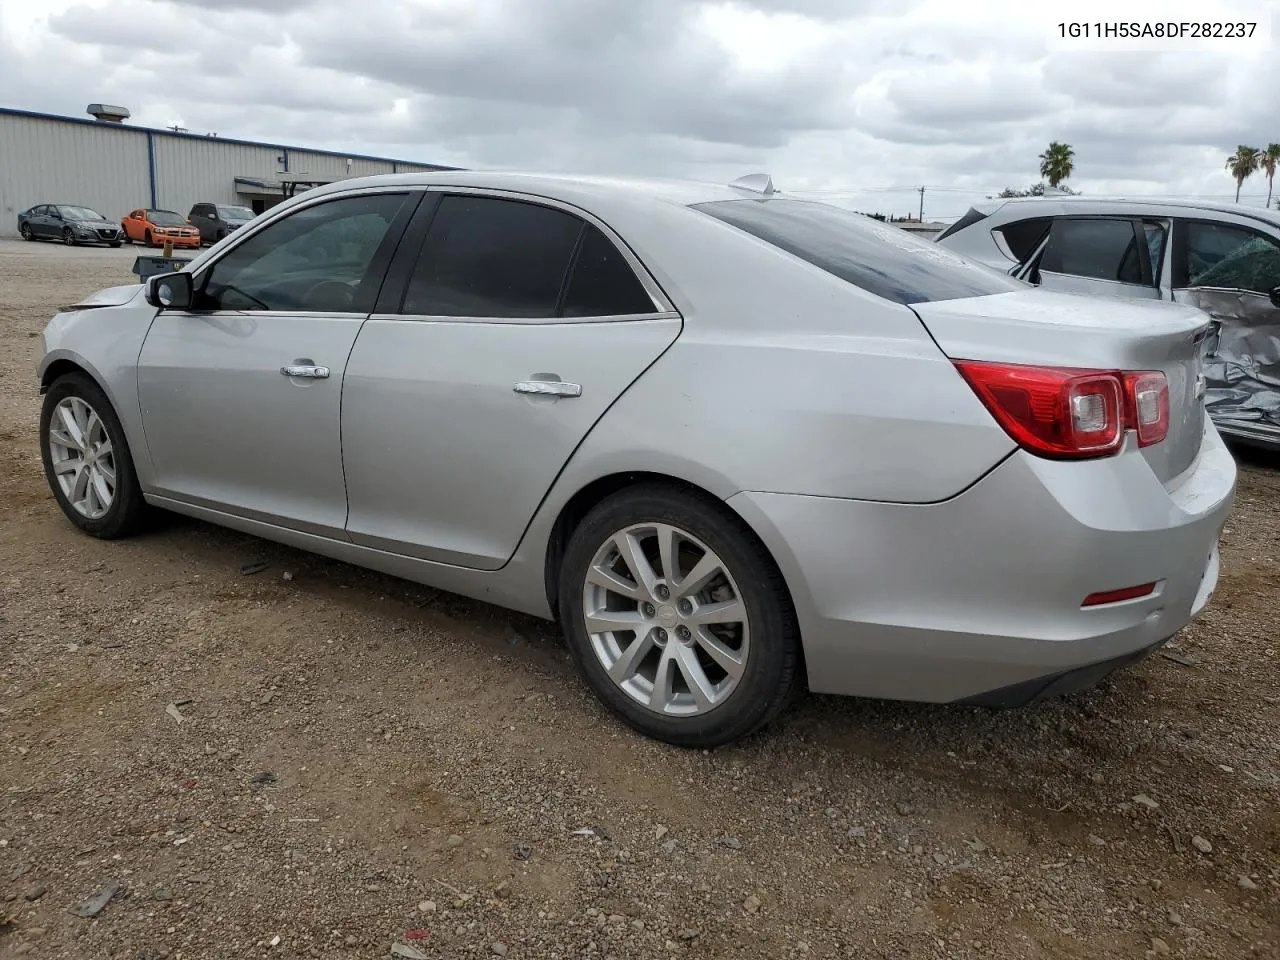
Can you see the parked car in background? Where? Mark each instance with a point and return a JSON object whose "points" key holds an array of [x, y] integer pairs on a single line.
{"points": [[216, 220], [1224, 259], [731, 440], [70, 223], [156, 227]]}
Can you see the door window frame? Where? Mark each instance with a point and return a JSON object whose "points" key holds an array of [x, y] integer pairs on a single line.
{"points": [[1179, 278], [384, 255], [395, 286]]}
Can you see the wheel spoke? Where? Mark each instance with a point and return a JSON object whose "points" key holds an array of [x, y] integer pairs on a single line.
{"points": [[92, 426], [662, 680], [70, 429], [79, 484], [611, 621], [108, 472], [668, 552], [727, 611], [730, 661], [633, 556], [624, 668], [602, 577], [70, 465], [104, 448], [702, 573], [100, 487], [695, 677]]}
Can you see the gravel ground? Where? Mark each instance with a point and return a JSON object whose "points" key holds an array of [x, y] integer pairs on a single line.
{"points": [[316, 761]]}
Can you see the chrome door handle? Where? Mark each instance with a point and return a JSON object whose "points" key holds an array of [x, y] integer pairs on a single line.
{"points": [[549, 388], [305, 370]]}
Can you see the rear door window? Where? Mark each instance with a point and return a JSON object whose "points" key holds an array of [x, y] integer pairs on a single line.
{"points": [[1023, 237], [602, 283], [1099, 249], [1230, 257], [881, 259]]}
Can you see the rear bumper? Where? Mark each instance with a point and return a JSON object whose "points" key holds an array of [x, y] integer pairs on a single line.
{"points": [[981, 594]]}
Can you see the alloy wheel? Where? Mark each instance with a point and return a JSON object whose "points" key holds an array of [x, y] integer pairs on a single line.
{"points": [[666, 619], [68, 237], [82, 458]]}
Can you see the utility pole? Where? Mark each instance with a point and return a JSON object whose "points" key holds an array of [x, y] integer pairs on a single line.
{"points": [[922, 204]]}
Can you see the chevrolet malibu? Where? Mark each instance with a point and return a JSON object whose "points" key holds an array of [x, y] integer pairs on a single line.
{"points": [[735, 443]]}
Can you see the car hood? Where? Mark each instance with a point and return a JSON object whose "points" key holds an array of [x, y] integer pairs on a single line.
{"points": [[110, 297]]}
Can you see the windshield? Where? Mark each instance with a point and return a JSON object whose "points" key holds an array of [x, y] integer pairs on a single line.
{"points": [[80, 213], [235, 213], [881, 259], [166, 218]]}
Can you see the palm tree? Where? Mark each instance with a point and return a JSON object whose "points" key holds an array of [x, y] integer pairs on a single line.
{"points": [[1242, 164], [1057, 162], [1270, 157]]}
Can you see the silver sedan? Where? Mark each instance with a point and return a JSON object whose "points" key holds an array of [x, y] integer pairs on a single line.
{"points": [[735, 443]]}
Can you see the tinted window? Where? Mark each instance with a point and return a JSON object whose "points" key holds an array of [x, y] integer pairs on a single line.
{"points": [[603, 283], [488, 257], [1231, 257], [1024, 236], [1099, 249], [968, 220], [321, 259], [881, 259], [166, 218]]}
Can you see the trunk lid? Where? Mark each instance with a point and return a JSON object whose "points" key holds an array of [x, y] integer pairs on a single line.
{"points": [[1065, 330]]}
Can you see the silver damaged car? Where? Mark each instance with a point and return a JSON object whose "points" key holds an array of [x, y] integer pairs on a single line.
{"points": [[735, 443]]}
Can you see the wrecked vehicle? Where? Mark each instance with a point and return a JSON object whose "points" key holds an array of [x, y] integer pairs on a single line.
{"points": [[1223, 259]]}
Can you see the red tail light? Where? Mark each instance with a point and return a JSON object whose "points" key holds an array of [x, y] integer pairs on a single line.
{"points": [[1065, 413], [1118, 596]]}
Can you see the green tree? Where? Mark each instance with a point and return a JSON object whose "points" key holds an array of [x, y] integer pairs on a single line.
{"points": [[1242, 164], [1270, 158], [1057, 162]]}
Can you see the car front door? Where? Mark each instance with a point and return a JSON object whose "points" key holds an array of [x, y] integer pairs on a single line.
{"points": [[130, 224], [505, 330], [1101, 256], [241, 394], [1232, 273]]}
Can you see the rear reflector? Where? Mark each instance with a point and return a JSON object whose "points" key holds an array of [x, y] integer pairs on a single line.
{"points": [[1115, 596], [1065, 413]]}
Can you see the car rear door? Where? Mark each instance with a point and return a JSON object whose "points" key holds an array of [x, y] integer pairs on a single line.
{"points": [[507, 327], [241, 395], [1101, 256], [1232, 272], [38, 221]]}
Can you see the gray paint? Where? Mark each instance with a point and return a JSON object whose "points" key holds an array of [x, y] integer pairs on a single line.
{"points": [[927, 558]]}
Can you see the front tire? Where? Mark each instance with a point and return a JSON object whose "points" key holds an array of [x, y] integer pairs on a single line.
{"points": [[25, 230], [678, 618], [148, 239], [87, 461]]}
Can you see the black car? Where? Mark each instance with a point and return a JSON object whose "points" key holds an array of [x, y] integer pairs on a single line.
{"points": [[69, 223], [216, 220]]}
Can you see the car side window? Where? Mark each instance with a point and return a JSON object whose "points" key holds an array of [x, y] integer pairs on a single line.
{"points": [[602, 283], [1218, 255], [1023, 236], [1099, 249], [492, 257], [319, 259]]}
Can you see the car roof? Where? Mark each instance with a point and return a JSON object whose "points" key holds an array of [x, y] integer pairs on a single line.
{"points": [[1126, 204]]}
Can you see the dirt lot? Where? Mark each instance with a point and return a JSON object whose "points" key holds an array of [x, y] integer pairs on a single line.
{"points": [[363, 763]]}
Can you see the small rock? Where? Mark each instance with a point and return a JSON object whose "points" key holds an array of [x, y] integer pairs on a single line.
{"points": [[1097, 777], [453, 841], [1157, 884], [249, 569], [1201, 844], [427, 906], [832, 812], [90, 908], [523, 851], [689, 933], [905, 809], [1245, 883], [672, 946], [502, 890], [173, 711], [637, 925], [1160, 947], [407, 953], [1145, 801], [1175, 918], [1096, 840], [499, 948], [977, 846], [939, 858], [733, 843], [669, 846], [33, 894], [616, 918], [275, 941], [752, 904], [659, 833], [286, 575], [350, 940], [917, 849], [264, 778], [857, 833]]}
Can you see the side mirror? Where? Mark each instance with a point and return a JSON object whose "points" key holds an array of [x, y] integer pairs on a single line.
{"points": [[171, 291], [1275, 296]]}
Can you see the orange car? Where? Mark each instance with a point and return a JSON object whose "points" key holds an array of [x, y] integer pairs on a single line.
{"points": [[155, 227]]}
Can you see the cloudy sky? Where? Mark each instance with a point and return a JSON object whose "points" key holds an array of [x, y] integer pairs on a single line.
{"points": [[864, 100]]}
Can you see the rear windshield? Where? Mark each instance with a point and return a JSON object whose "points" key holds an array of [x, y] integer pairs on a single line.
{"points": [[879, 258]]}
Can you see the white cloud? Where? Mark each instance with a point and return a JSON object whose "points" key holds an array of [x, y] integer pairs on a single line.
{"points": [[864, 99]]}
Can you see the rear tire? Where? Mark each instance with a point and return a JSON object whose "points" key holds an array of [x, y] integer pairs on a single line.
{"points": [[717, 686], [68, 237], [25, 230], [89, 468]]}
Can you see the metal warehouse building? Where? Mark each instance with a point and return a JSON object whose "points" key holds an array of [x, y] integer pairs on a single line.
{"points": [[114, 167]]}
